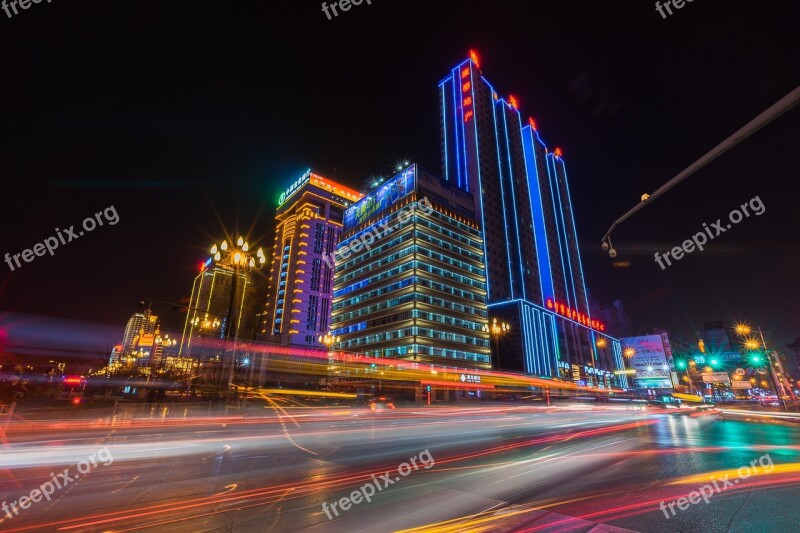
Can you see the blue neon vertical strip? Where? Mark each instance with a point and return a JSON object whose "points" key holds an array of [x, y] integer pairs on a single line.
{"points": [[575, 238], [456, 139], [514, 200], [617, 348], [465, 176], [444, 132], [553, 195], [502, 192], [480, 184], [537, 216], [565, 236]]}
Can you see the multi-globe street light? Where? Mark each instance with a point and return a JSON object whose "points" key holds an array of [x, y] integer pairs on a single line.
{"points": [[329, 339], [496, 330], [237, 257]]}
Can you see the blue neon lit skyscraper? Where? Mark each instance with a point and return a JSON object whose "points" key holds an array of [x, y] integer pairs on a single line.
{"points": [[522, 201]]}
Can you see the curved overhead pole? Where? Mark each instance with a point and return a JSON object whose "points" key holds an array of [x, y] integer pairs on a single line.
{"points": [[773, 112]]}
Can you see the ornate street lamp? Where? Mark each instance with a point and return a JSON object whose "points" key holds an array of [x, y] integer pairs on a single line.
{"points": [[236, 257], [496, 330], [329, 339]]}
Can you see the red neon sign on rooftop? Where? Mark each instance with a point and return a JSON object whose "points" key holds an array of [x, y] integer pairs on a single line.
{"points": [[473, 55]]}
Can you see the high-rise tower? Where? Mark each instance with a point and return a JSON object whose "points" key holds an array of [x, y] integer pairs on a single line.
{"points": [[308, 226], [522, 201], [410, 278]]}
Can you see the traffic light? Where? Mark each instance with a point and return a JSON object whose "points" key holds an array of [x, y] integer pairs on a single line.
{"points": [[681, 364]]}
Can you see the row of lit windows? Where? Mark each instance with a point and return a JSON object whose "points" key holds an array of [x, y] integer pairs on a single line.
{"points": [[420, 221], [449, 260], [403, 253], [405, 267], [376, 264], [412, 349], [447, 246], [453, 222], [450, 321], [406, 315], [408, 265], [450, 275], [373, 293], [424, 282], [460, 237], [382, 227], [406, 298], [413, 331], [467, 295]]}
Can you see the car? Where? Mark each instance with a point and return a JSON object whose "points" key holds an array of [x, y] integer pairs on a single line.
{"points": [[381, 404]]}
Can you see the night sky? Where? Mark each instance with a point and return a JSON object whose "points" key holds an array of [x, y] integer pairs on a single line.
{"points": [[190, 118]]}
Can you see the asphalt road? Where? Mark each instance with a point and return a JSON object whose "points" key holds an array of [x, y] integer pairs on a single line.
{"points": [[587, 468]]}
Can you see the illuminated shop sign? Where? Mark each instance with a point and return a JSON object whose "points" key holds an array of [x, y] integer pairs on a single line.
{"points": [[470, 378], [574, 314], [381, 198], [302, 180]]}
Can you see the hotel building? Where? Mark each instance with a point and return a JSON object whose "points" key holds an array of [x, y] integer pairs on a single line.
{"points": [[534, 276], [308, 228], [410, 280]]}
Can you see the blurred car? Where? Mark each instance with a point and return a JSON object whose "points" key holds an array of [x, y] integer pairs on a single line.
{"points": [[662, 404], [381, 404]]}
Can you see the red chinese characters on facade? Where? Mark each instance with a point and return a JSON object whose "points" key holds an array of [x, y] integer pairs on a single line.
{"points": [[574, 314]]}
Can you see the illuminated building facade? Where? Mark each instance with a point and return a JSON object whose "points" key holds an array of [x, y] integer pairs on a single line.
{"points": [[522, 201], [139, 325], [410, 279], [308, 227], [224, 300]]}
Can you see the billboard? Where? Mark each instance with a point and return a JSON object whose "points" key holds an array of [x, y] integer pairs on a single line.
{"points": [[381, 198], [649, 360]]}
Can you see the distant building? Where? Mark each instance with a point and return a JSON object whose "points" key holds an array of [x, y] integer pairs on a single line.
{"points": [[617, 321], [116, 355], [718, 337], [308, 227], [139, 324]]}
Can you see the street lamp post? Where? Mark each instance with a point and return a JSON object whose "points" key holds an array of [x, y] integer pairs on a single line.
{"points": [[497, 330], [205, 326], [752, 344], [238, 259], [329, 339], [628, 353]]}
